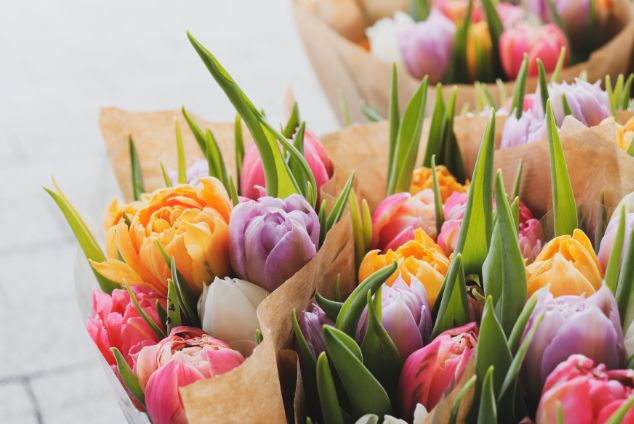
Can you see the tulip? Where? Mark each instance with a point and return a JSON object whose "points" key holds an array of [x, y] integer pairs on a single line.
{"points": [[198, 169], [574, 14], [607, 242], [435, 369], [311, 321], [530, 127], [456, 10], [383, 37], [531, 103], [405, 315], [271, 239], [572, 324], [531, 237], [541, 42], [184, 357], [252, 181], [479, 50], [398, 216], [625, 135], [189, 222], [419, 260], [567, 265], [426, 46], [227, 310], [422, 178], [580, 392], [510, 14], [115, 322], [588, 102]]}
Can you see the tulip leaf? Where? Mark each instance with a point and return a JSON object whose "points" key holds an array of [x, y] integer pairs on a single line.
{"points": [[155, 328], [166, 178], [517, 183], [366, 219], [438, 206], [298, 140], [365, 393], [625, 286], [487, 412], [186, 299], [214, 156], [305, 352], [259, 337], [618, 416], [625, 95], [492, 347], [455, 408], [557, 19], [451, 155], [475, 232], [614, 264], [395, 119], [180, 155], [436, 129], [199, 135], [233, 192], [337, 210], [330, 307], [419, 10], [360, 246], [503, 271], [554, 77], [451, 306], [496, 28], [564, 206], [138, 186], [380, 354], [345, 110], [127, 376], [408, 141], [84, 236], [457, 70], [519, 90], [601, 224], [239, 148], [173, 307], [323, 220], [330, 408], [352, 308], [348, 341], [520, 324], [543, 84], [503, 94], [370, 114], [565, 106], [292, 123], [162, 314]]}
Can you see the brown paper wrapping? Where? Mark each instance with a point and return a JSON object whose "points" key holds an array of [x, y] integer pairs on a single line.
{"points": [[347, 71]]}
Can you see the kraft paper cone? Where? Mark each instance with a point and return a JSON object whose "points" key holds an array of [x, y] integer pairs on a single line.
{"points": [[345, 70]]}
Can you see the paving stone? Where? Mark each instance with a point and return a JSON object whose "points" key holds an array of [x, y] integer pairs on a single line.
{"points": [[17, 405]]}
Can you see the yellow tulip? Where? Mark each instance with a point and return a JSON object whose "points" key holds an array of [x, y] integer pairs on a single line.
{"points": [[625, 135], [420, 257], [447, 183], [567, 265], [479, 47], [189, 222]]}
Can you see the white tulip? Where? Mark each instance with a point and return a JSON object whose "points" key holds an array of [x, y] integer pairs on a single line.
{"points": [[383, 38], [227, 310]]}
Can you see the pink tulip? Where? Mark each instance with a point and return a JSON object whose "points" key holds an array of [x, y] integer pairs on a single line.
{"points": [[185, 356], [115, 322], [510, 14], [538, 42], [431, 371], [574, 14], [398, 216], [252, 180], [585, 394], [531, 234]]}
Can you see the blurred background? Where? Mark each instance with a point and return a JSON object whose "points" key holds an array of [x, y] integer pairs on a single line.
{"points": [[60, 63]]}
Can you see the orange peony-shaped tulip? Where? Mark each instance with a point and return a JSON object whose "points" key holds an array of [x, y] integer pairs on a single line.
{"points": [[421, 258], [567, 265], [447, 183], [189, 222]]}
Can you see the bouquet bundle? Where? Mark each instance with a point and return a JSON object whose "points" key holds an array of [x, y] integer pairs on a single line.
{"points": [[353, 44]]}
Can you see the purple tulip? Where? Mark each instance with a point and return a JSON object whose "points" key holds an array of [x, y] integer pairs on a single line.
{"points": [[426, 46], [572, 325], [607, 242], [198, 169], [406, 315], [588, 102], [311, 321], [271, 239], [530, 127]]}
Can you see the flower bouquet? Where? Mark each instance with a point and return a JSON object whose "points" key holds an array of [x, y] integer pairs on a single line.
{"points": [[352, 44]]}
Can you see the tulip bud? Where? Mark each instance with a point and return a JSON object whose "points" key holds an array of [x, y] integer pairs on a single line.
{"points": [[426, 46], [530, 127], [435, 369], [580, 392], [383, 38], [227, 310], [422, 179], [566, 265], [588, 102], [271, 239], [479, 50], [607, 242], [253, 183], [571, 325], [541, 42], [405, 315], [311, 321]]}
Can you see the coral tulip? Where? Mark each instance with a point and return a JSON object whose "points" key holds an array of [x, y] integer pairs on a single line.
{"points": [[580, 392], [566, 265], [572, 324], [271, 239], [435, 369], [422, 178], [542, 42], [191, 225], [420, 258], [311, 322], [588, 102], [252, 181]]}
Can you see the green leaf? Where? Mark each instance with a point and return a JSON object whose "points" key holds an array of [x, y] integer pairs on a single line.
{"points": [[503, 271], [367, 221], [298, 141], [520, 324], [259, 337], [138, 186], [330, 408], [162, 313], [187, 302], [215, 159], [517, 184], [292, 123], [625, 286], [502, 91], [554, 78], [556, 17], [487, 413], [330, 307], [453, 309], [564, 206], [360, 246], [364, 391], [352, 308], [494, 24], [380, 354], [614, 264], [84, 236], [492, 350], [155, 328], [127, 376], [457, 71], [519, 90], [455, 408], [345, 109], [543, 84], [419, 9], [451, 155], [370, 114], [180, 154], [601, 224], [305, 352], [323, 220], [173, 309], [565, 105], [475, 232], [337, 210], [199, 135], [619, 415], [239, 148], [438, 206], [395, 120], [625, 95], [436, 130], [166, 178]]}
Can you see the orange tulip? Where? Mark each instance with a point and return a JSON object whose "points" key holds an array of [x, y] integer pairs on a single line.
{"points": [[625, 135], [189, 222], [567, 265], [447, 183], [421, 258], [479, 48]]}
